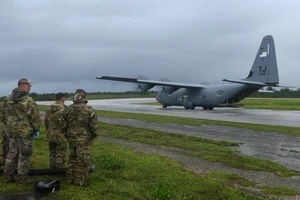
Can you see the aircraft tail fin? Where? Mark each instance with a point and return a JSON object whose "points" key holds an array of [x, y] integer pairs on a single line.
{"points": [[264, 68]]}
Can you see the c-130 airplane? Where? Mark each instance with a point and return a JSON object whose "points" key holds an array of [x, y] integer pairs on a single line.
{"points": [[263, 73]]}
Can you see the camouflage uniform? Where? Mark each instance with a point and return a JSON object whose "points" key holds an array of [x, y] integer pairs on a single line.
{"points": [[82, 129], [22, 119], [56, 126], [4, 138]]}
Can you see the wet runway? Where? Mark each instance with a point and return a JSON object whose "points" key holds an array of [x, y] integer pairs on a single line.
{"points": [[256, 116]]}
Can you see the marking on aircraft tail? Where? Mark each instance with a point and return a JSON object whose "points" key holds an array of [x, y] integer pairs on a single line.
{"points": [[262, 71], [263, 54]]}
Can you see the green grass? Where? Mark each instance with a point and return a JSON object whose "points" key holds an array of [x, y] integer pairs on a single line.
{"points": [[122, 173], [279, 190], [273, 104]]}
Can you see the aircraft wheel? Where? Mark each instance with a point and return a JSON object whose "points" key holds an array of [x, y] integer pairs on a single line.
{"points": [[204, 108], [164, 106], [211, 108], [192, 108], [186, 107]]}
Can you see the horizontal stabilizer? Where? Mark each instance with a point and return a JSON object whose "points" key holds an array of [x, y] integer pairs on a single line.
{"points": [[152, 82], [246, 82], [285, 86]]}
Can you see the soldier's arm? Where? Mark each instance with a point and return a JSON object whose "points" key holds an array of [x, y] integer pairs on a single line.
{"points": [[64, 120], [93, 125], [34, 115], [2, 110]]}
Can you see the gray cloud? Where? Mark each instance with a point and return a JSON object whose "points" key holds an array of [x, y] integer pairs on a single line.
{"points": [[62, 45]]}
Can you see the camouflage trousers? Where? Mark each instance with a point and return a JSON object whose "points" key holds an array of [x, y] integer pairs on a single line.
{"points": [[57, 154], [79, 161], [4, 149], [18, 159]]}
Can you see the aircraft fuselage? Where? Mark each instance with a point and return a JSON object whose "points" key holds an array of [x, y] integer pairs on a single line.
{"points": [[209, 97]]}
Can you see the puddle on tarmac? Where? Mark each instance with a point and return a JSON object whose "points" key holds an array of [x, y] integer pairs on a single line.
{"points": [[246, 150]]}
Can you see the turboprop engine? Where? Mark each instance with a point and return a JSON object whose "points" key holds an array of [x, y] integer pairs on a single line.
{"points": [[144, 87], [169, 90]]}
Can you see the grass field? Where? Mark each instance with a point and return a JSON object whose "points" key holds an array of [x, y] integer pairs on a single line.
{"points": [[122, 173], [273, 104]]}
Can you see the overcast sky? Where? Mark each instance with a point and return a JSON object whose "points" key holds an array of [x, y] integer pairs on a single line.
{"points": [[62, 45]]}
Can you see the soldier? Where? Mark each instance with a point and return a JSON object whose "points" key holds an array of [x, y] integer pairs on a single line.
{"points": [[56, 126], [22, 120], [4, 138], [82, 129]]}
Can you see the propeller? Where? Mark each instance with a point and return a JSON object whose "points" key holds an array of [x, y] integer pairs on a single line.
{"points": [[168, 89], [141, 86]]}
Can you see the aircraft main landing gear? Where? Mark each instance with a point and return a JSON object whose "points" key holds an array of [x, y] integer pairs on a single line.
{"points": [[209, 108], [164, 106]]}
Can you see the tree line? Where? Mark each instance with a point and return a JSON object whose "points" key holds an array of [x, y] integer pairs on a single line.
{"points": [[281, 93]]}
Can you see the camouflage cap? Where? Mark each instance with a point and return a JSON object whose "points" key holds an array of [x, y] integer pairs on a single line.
{"points": [[80, 98]]}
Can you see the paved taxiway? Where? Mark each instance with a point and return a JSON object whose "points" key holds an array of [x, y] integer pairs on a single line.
{"points": [[256, 116]]}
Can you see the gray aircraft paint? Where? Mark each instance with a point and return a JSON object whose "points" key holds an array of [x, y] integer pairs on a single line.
{"points": [[264, 68], [264, 72]]}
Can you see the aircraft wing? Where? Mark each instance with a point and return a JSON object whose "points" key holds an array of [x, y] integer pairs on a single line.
{"points": [[151, 82], [246, 82]]}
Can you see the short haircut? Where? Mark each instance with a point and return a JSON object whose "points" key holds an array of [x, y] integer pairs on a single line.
{"points": [[24, 81], [80, 91], [59, 96]]}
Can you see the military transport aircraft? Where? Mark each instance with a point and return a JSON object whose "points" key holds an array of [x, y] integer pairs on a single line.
{"points": [[263, 73]]}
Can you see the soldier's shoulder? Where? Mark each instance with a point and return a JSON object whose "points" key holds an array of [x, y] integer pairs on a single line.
{"points": [[6, 99], [89, 108], [29, 99], [71, 105]]}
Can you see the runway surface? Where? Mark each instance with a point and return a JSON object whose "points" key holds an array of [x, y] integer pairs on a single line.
{"points": [[255, 116]]}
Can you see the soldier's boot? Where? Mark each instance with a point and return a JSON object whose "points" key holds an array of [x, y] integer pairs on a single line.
{"points": [[9, 180], [70, 181], [24, 182], [86, 184]]}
